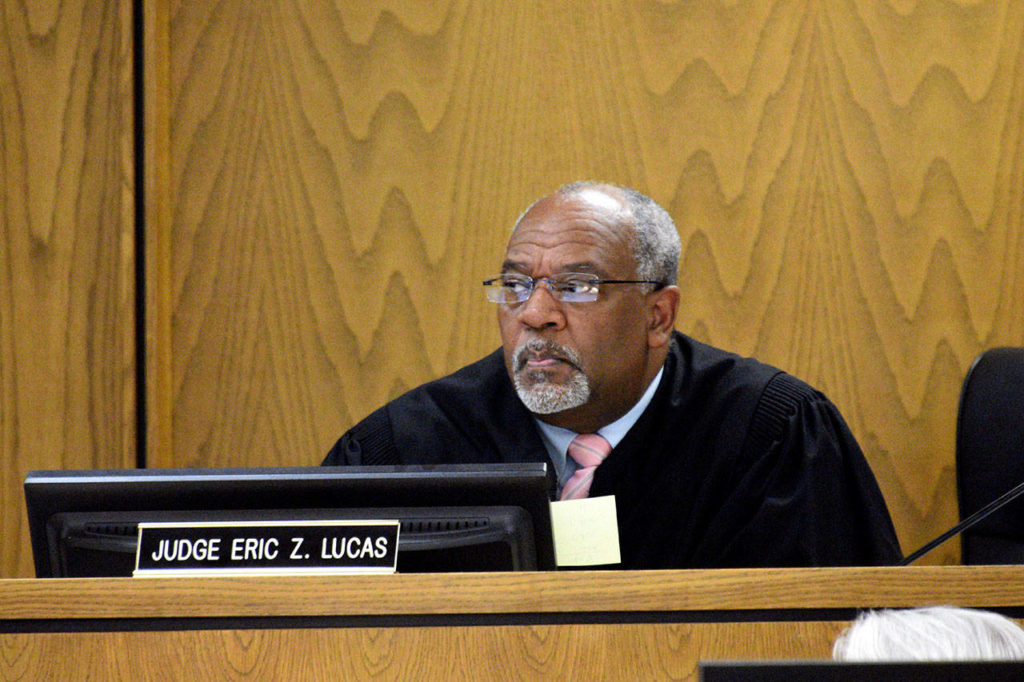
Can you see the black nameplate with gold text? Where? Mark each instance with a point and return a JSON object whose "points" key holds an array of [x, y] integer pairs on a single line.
{"points": [[262, 547]]}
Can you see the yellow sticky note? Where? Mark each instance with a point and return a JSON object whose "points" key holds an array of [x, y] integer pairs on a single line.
{"points": [[586, 532]]}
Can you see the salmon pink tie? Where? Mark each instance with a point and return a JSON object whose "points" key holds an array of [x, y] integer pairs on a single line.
{"points": [[589, 450]]}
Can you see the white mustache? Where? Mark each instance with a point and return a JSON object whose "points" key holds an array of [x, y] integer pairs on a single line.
{"points": [[546, 349]]}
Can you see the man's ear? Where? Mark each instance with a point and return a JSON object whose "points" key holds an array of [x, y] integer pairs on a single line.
{"points": [[663, 305]]}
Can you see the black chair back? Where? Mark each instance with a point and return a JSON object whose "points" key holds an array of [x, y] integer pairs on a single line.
{"points": [[990, 455]]}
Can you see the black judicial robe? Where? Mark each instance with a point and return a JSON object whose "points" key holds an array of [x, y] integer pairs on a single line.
{"points": [[733, 464]]}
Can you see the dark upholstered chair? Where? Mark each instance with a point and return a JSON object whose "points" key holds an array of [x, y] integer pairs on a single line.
{"points": [[990, 455]]}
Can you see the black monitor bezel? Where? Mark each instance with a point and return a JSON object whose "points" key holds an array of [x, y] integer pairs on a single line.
{"points": [[247, 488], [856, 671]]}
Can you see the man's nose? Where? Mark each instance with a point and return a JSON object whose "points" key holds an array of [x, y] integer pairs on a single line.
{"points": [[541, 310]]}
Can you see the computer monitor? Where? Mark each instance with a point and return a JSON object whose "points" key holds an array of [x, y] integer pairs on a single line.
{"points": [[486, 517], [852, 671]]}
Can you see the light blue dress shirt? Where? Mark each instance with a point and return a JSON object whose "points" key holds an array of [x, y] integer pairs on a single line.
{"points": [[556, 439]]}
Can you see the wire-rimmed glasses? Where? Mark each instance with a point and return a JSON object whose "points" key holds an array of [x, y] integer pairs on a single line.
{"points": [[571, 287]]}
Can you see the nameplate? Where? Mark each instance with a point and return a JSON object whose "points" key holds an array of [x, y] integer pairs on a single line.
{"points": [[266, 547]]}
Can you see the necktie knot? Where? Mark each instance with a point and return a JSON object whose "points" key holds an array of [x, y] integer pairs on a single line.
{"points": [[588, 450]]}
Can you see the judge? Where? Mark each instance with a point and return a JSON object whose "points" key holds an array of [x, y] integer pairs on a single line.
{"points": [[714, 460]]}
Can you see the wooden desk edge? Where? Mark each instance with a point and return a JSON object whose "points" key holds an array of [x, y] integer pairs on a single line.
{"points": [[514, 593]]}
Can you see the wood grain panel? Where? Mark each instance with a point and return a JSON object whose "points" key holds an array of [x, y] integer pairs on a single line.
{"points": [[594, 652], [67, 393], [846, 178], [876, 256]]}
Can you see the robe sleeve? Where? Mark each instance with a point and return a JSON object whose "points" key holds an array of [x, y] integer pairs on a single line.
{"points": [[808, 497], [471, 416], [369, 442]]}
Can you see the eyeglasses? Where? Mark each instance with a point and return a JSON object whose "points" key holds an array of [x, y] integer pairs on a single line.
{"points": [[572, 287]]}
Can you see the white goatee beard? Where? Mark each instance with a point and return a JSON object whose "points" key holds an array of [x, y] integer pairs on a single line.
{"points": [[538, 393]]}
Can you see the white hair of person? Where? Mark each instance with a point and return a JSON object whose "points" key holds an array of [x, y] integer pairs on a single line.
{"points": [[657, 249], [933, 633]]}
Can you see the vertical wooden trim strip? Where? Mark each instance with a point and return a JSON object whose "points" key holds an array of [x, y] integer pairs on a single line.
{"points": [[158, 286]]}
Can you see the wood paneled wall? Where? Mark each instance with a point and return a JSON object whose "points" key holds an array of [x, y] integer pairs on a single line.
{"points": [[328, 182], [67, 263]]}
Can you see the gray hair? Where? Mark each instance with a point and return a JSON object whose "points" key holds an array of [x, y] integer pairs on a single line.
{"points": [[657, 246], [935, 633]]}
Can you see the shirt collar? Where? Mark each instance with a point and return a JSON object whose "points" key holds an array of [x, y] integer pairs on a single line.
{"points": [[556, 439]]}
